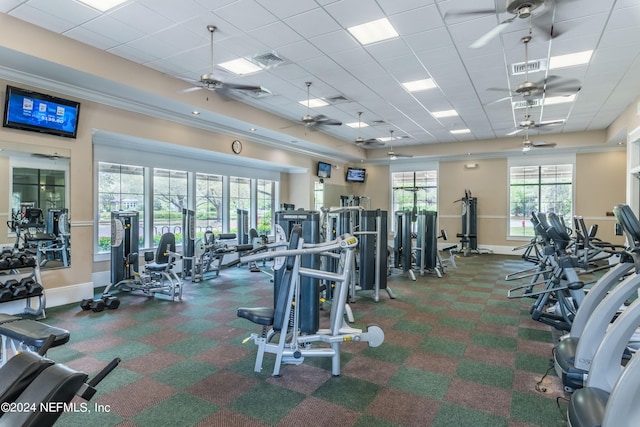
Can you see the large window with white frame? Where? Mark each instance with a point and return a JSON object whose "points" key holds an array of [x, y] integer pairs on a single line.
{"points": [[265, 197], [120, 188], [214, 197], [169, 198], [543, 187], [208, 204], [414, 190]]}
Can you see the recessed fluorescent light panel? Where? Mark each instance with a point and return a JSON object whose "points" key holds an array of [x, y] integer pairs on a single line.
{"points": [[444, 113], [240, 66], [570, 60], [357, 125], [103, 5], [552, 100], [374, 31], [418, 85], [460, 131], [314, 103]]}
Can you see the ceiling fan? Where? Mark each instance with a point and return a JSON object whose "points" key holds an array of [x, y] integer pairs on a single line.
{"points": [[392, 154], [209, 82], [527, 144], [529, 123], [312, 121], [522, 9], [548, 85], [371, 142]]}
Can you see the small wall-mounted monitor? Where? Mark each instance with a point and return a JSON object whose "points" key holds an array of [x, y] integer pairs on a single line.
{"points": [[37, 112], [324, 170], [356, 174]]}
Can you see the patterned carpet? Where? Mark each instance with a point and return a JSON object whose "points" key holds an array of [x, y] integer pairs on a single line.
{"points": [[457, 352]]}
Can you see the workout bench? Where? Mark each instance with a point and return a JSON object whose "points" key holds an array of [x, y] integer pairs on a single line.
{"points": [[26, 335]]}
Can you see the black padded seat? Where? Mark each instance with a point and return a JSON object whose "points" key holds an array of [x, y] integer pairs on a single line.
{"points": [[56, 384], [34, 334], [19, 372], [587, 406], [258, 315], [154, 266]]}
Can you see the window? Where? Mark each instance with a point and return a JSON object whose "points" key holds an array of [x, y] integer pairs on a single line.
{"points": [[239, 198], [417, 190], [318, 195], [120, 188], [545, 188], [169, 197], [265, 203], [208, 203]]}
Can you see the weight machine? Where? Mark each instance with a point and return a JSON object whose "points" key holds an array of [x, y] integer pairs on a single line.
{"points": [[469, 235], [286, 317], [158, 276]]}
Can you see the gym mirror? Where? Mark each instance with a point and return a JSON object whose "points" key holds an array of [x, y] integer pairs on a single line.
{"points": [[34, 202]]}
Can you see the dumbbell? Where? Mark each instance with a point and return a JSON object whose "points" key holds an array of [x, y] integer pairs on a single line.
{"points": [[110, 301], [17, 290], [5, 294], [96, 305], [33, 288]]}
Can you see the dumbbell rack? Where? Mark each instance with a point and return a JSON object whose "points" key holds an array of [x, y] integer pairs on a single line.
{"points": [[23, 282]]}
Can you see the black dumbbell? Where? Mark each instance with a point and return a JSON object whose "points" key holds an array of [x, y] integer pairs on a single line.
{"points": [[110, 301], [5, 294], [95, 305], [33, 288], [17, 290]]}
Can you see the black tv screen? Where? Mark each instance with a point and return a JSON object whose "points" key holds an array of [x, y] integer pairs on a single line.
{"points": [[356, 174], [37, 112], [324, 170]]}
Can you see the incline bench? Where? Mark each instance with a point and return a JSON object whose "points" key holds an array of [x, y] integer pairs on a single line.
{"points": [[27, 335]]}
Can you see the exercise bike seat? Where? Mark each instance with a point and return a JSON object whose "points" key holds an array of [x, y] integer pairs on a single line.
{"points": [[19, 372]]}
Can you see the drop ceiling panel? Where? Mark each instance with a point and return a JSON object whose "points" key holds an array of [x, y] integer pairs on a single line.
{"points": [[312, 23], [286, 8], [349, 13], [42, 18], [247, 15], [176, 11]]}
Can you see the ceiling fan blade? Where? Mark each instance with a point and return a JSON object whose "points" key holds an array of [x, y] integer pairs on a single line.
{"points": [[469, 12], [321, 119], [495, 31], [248, 88], [542, 144], [191, 89], [515, 132], [497, 101], [373, 142], [549, 123]]}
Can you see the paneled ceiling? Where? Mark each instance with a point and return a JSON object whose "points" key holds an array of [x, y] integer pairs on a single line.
{"points": [[310, 42]]}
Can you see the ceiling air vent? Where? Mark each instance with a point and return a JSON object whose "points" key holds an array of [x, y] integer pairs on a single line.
{"points": [[268, 60], [534, 66], [518, 105], [338, 99]]}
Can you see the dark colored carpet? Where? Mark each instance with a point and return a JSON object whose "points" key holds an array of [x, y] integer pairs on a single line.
{"points": [[457, 352]]}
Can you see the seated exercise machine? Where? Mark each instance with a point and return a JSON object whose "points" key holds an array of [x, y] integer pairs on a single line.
{"points": [[284, 319], [158, 277], [574, 353], [26, 335]]}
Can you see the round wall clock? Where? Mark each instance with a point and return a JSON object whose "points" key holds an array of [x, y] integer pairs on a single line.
{"points": [[236, 146]]}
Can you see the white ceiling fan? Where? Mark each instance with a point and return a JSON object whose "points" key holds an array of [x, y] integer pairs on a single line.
{"points": [[527, 144], [549, 85], [528, 123], [370, 142], [52, 156], [392, 154], [320, 120], [520, 9], [209, 82]]}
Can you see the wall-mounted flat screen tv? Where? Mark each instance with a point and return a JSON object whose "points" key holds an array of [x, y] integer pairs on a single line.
{"points": [[324, 170], [356, 174], [37, 112]]}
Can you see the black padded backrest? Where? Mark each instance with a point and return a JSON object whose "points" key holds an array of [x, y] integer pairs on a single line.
{"points": [[253, 233], [558, 231], [282, 308], [57, 384], [167, 241], [539, 226], [629, 222], [19, 372]]}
